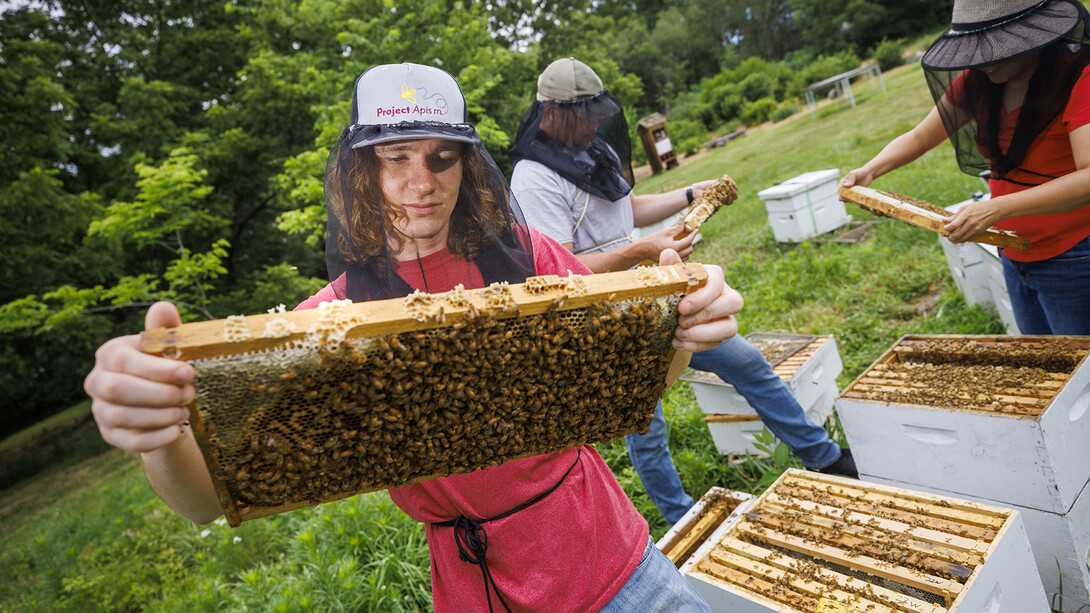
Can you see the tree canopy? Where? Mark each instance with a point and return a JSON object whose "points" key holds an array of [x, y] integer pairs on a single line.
{"points": [[164, 150]]}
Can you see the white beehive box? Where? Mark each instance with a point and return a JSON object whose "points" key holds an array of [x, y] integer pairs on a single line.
{"points": [[737, 434], [804, 206], [666, 223], [967, 266], [718, 505], [1002, 418], [993, 267], [818, 543], [808, 373], [1060, 545]]}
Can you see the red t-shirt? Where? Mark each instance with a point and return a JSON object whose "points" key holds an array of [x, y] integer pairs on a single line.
{"points": [[1050, 154], [571, 551]]}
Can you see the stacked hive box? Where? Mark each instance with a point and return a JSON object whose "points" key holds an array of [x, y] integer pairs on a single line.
{"points": [[966, 262], [805, 206], [701, 521], [808, 366], [993, 268], [817, 543], [978, 273], [999, 419]]}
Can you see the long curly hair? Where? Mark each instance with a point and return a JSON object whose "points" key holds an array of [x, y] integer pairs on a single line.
{"points": [[478, 217]]}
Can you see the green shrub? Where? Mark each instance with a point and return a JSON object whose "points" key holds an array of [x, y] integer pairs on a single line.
{"points": [[758, 111], [730, 107], [756, 86], [889, 53], [688, 135], [784, 112], [826, 66]]}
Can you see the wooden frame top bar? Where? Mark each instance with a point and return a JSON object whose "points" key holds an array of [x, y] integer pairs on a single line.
{"points": [[922, 214], [539, 294]]}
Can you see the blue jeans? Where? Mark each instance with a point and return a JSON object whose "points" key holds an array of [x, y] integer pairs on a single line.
{"points": [[656, 586], [739, 363], [1051, 296]]}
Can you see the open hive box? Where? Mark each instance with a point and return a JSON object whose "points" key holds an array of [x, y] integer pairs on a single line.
{"points": [[1001, 420], [821, 544], [808, 365], [294, 409], [700, 522], [996, 417]]}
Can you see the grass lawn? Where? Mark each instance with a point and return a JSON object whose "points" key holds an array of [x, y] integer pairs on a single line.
{"points": [[94, 537]]}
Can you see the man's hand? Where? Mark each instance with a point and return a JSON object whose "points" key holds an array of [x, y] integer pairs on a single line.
{"points": [[138, 400], [656, 243], [707, 315]]}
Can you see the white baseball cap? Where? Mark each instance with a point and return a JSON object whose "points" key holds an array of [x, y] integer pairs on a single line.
{"points": [[408, 102]]}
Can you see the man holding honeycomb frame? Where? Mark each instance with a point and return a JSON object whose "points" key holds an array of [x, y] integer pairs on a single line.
{"points": [[416, 203], [574, 179]]}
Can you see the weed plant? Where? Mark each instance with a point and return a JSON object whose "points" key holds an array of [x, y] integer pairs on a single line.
{"points": [[104, 542]]}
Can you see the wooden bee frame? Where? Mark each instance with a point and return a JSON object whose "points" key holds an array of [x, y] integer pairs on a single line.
{"points": [[294, 409], [713, 509], [818, 543], [922, 214]]}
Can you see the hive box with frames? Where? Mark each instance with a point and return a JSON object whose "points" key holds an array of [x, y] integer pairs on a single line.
{"points": [[819, 543], [808, 365], [716, 506], [998, 419], [294, 409]]}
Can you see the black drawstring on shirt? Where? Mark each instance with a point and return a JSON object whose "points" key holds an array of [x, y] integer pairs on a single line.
{"points": [[472, 540]]}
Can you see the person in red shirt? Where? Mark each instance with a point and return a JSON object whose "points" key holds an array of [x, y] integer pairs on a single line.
{"points": [[416, 203], [1011, 82]]}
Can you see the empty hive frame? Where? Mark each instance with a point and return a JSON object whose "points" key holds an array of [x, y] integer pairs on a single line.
{"points": [[922, 214], [298, 408], [817, 543], [1003, 418]]}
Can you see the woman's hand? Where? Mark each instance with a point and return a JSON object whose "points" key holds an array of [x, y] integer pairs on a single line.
{"points": [[971, 219], [860, 176], [707, 315], [138, 400]]}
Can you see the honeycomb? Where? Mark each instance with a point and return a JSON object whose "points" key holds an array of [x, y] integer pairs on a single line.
{"points": [[721, 193], [1017, 375], [311, 422]]}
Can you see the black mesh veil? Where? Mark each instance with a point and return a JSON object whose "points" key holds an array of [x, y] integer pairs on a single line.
{"points": [[1058, 32], [585, 141], [387, 202]]}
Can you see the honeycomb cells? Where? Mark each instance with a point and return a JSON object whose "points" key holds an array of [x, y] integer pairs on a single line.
{"points": [[305, 424]]}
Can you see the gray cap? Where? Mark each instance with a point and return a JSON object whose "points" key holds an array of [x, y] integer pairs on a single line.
{"points": [[568, 79]]}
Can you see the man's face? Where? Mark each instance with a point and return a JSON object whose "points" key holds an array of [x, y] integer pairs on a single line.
{"points": [[569, 125], [420, 180]]}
